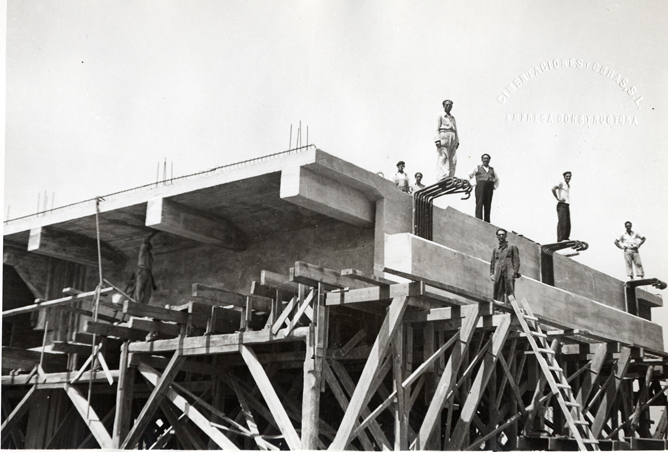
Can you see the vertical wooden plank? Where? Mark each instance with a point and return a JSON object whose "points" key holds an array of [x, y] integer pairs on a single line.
{"points": [[620, 369], [590, 378], [124, 396], [388, 329], [400, 414], [153, 401], [273, 402], [479, 384], [313, 374], [449, 378]]}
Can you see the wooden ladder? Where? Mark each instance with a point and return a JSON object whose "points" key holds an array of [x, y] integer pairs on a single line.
{"points": [[554, 375]]}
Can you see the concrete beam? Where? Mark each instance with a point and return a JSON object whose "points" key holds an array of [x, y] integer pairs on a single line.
{"points": [[408, 254], [326, 196], [73, 247], [185, 221]]}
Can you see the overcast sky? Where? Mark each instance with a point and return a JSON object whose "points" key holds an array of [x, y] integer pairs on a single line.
{"points": [[99, 92]]}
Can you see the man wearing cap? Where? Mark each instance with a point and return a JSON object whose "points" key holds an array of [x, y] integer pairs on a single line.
{"points": [[629, 242], [401, 179], [447, 142], [485, 180], [562, 191], [504, 267]]}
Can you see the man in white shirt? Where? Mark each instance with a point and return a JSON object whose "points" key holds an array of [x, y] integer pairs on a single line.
{"points": [[447, 142], [485, 180], [562, 191], [629, 242], [401, 179]]}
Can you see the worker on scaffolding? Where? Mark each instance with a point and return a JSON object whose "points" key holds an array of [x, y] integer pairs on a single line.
{"points": [[144, 282], [504, 267], [629, 242], [447, 142]]}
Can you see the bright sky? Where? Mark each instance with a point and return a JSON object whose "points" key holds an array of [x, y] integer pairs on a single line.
{"points": [[99, 92]]}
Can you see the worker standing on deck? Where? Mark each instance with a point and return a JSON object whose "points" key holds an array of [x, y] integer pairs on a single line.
{"points": [[447, 142], [144, 282], [401, 179], [562, 191], [504, 267], [418, 183], [629, 242], [486, 181]]}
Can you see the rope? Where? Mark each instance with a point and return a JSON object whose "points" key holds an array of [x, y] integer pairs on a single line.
{"points": [[97, 302]]}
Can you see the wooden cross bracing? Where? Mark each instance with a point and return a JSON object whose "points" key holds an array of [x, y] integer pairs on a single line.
{"points": [[342, 360]]}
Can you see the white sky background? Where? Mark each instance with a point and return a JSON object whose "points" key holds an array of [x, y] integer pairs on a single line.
{"points": [[99, 92]]}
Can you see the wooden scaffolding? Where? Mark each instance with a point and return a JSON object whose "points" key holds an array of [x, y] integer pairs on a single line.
{"points": [[322, 359]]}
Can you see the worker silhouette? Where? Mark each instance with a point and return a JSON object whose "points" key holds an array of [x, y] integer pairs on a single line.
{"points": [[144, 282]]}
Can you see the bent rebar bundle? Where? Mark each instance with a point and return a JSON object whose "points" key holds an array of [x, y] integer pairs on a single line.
{"points": [[423, 203]]}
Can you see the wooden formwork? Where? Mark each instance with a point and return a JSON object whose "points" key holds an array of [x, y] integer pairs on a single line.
{"points": [[324, 359]]}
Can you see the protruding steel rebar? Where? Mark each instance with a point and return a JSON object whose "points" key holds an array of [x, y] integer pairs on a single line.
{"points": [[423, 203]]}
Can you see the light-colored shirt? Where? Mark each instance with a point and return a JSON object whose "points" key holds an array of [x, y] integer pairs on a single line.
{"points": [[402, 182], [446, 123], [630, 240], [475, 170], [564, 191]]}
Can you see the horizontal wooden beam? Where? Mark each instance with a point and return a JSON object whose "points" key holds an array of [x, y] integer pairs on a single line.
{"points": [[51, 303], [311, 275], [222, 297], [178, 219], [73, 247], [119, 331], [71, 347], [56, 378], [154, 326], [421, 296], [454, 313], [217, 343], [369, 279], [329, 197], [419, 258], [278, 281]]}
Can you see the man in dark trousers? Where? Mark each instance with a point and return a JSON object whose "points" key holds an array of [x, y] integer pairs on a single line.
{"points": [[562, 191], [504, 267], [144, 283], [486, 180]]}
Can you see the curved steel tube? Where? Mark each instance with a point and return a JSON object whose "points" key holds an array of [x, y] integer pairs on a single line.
{"points": [[423, 203]]}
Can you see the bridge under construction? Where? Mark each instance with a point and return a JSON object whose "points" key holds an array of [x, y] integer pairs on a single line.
{"points": [[303, 302]]}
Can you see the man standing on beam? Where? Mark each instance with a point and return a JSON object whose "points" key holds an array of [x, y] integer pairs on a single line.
{"points": [[629, 242], [504, 267], [562, 191], [447, 142], [486, 181]]}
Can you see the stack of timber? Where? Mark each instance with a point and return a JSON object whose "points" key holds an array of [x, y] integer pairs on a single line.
{"points": [[329, 326]]}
